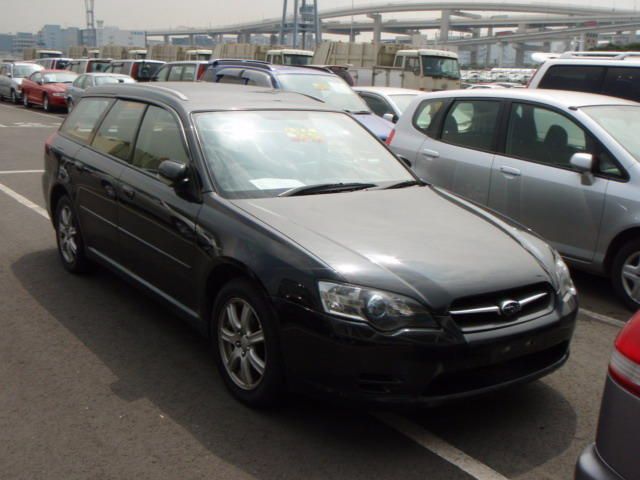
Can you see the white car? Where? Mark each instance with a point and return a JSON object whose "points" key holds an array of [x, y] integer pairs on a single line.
{"points": [[387, 102]]}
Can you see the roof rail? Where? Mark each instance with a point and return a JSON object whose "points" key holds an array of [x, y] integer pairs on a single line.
{"points": [[244, 61], [610, 55]]}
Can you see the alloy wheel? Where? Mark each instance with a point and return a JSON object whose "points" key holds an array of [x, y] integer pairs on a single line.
{"points": [[67, 234], [241, 343], [631, 276]]}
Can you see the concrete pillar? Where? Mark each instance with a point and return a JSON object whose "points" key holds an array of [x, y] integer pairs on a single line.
{"points": [[546, 46], [166, 39], [488, 54], [444, 25], [352, 36], [192, 39], [377, 27]]}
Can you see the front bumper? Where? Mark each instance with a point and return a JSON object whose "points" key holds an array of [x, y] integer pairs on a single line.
{"points": [[591, 467], [328, 355]]}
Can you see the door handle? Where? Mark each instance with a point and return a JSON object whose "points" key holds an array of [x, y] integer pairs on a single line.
{"points": [[109, 190], [430, 153], [128, 191], [514, 172]]}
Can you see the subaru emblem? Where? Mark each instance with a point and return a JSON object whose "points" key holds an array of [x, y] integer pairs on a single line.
{"points": [[510, 307]]}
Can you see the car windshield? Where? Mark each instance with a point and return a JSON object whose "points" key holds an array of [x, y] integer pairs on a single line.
{"points": [[59, 77], [21, 71], [255, 154], [440, 67], [622, 122], [329, 88], [297, 59], [402, 101], [113, 80]]}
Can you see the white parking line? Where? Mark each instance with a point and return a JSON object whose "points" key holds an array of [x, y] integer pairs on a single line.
{"points": [[10, 172], [435, 444], [603, 318], [24, 201], [49, 116]]}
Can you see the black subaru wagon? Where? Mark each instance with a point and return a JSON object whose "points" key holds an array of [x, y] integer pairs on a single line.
{"points": [[309, 255]]}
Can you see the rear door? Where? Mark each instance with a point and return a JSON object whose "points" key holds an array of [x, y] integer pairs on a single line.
{"points": [[93, 175], [461, 156], [534, 183], [157, 224]]}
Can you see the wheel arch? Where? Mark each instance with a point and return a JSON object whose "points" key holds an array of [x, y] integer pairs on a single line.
{"points": [[226, 270], [619, 240]]}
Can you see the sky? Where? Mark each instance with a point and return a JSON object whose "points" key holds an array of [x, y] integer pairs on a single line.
{"points": [[31, 15]]}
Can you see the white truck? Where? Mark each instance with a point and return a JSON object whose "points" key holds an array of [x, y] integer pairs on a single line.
{"points": [[393, 65], [289, 56]]}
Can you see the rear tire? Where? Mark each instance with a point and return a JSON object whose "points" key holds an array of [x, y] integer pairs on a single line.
{"points": [[69, 238], [246, 344], [625, 274]]}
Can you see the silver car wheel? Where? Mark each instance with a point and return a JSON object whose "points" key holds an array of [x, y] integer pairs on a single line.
{"points": [[241, 344], [631, 276], [67, 235]]}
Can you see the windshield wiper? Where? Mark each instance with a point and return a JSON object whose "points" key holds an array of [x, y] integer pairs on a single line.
{"points": [[326, 188], [357, 112], [406, 183]]}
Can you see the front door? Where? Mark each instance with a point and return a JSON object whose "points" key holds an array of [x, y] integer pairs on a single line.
{"points": [[157, 224], [535, 184]]}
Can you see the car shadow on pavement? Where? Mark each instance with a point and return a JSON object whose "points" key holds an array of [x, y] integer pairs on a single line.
{"points": [[157, 357]]}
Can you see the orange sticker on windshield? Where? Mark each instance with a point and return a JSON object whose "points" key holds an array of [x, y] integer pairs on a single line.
{"points": [[321, 86]]}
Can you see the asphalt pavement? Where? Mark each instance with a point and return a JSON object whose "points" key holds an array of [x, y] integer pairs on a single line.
{"points": [[97, 381]]}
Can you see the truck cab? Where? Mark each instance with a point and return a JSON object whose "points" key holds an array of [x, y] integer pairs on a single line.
{"points": [[289, 57], [198, 54], [439, 65]]}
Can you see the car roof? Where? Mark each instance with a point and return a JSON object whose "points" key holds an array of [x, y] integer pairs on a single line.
{"points": [[104, 74], [199, 96], [561, 98], [268, 67], [388, 90], [59, 70], [604, 61]]}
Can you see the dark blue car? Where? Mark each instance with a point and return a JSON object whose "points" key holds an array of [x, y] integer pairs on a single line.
{"points": [[314, 82]]}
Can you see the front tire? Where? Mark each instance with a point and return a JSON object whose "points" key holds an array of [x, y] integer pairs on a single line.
{"points": [[69, 238], [625, 274], [69, 105], [25, 100], [45, 104], [14, 97], [245, 342]]}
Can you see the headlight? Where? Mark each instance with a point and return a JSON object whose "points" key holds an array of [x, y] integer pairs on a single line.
{"points": [[385, 311], [563, 277]]}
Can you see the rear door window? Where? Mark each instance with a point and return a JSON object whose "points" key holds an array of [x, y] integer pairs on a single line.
{"points": [[176, 73], [83, 119], [118, 129], [377, 104], [189, 73], [623, 82], [472, 124], [579, 78]]}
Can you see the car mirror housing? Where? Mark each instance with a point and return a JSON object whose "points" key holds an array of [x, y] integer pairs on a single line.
{"points": [[390, 117], [175, 172], [583, 163]]}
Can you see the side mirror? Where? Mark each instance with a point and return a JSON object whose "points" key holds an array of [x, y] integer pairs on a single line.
{"points": [[404, 160], [583, 163], [40, 82], [176, 173], [9, 74], [390, 117]]}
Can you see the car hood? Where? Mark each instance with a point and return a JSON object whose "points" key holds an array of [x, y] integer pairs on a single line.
{"points": [[418, 241], [380, 127]]}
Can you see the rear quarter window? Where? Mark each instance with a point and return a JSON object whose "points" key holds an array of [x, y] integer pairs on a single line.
{"points": [[579, 78], [83, 120], [623, 82]]}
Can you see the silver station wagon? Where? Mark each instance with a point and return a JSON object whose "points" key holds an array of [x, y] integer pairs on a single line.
{"points": [[564, 164]]}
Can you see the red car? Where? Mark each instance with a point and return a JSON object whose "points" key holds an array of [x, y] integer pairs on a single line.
{"points": [[47, 88]]}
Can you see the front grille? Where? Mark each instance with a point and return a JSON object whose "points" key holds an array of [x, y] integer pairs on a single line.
{"points": [[499, 309]]}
